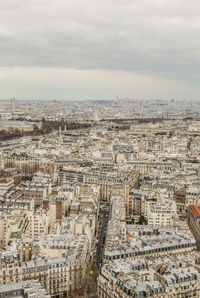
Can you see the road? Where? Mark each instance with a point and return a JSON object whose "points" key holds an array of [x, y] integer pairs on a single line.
{"points": [[101, 233], [90, 289]]}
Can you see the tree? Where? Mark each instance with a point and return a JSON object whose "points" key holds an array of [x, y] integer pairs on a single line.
{"points": [[143, 220]]}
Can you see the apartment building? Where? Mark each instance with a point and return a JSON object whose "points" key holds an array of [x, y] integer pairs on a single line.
{"points": [[194, 222], [35, 191], [135, 204], [161, 213], [57, 262], [27, 165], [170, 276], [26, 289], [5, 185], [38, 223]]}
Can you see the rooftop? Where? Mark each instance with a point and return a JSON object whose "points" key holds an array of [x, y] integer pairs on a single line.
{"points": [[195, 210]]}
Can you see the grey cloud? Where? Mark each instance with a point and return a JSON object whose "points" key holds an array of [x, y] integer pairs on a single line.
{"points": [[133, 35]]}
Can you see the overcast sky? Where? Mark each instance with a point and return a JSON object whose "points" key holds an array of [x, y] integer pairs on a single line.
{"points": [[84, 49]]}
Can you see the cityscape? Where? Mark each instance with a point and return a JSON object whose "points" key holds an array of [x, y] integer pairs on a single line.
{"points": [[99, 198], [99, 149]]}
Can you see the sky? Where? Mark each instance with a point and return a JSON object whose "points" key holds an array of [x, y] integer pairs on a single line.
{"points": [[89, 49]]}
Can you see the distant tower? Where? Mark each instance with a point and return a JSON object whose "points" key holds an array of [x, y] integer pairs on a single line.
{"points": [[12, 101], [60, 135], [96, 116]]}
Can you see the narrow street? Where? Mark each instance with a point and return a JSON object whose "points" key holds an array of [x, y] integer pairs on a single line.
{"points": [[101, 234], [90, 290]]}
